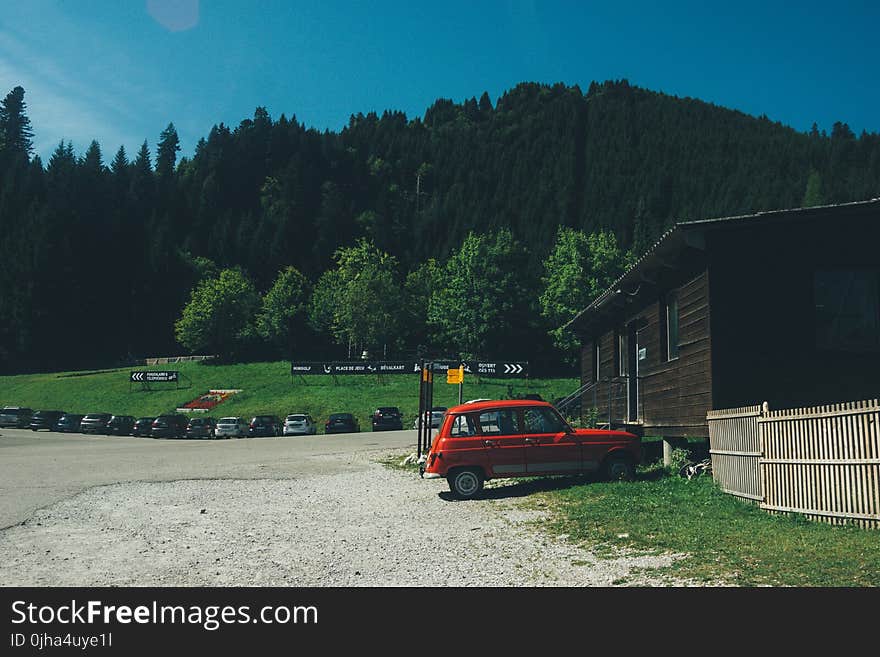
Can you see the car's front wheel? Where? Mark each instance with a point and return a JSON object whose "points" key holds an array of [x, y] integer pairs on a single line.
{"points": [[466, 483], [618, 468]]}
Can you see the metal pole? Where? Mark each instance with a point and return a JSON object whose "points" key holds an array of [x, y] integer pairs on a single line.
{"points": [[430, 404], [609, 402], [421, 407]]}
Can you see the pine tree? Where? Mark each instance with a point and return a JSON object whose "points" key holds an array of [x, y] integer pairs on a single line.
{"points": [[15, 126], [166, 151]]}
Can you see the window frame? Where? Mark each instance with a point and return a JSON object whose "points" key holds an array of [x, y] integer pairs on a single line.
{"points": [[671, 298], [825, 343]]}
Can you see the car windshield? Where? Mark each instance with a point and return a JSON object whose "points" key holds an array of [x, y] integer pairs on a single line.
{"points": [[296, 418], [340, 416], [228, 420], [388, 409]]}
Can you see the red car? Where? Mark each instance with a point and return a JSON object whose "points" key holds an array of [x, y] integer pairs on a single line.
{"points": [[522, 438]]}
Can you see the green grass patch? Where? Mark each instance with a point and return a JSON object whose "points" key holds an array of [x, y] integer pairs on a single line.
{"points": [[266, 388], [725, 539]]}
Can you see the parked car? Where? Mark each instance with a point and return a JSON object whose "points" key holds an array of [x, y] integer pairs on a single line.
{"points": [[522, 438], [265, 425], [120, 425], [142, 426], [342, 423], [94, 423], [386, 418], [68, 423], [231, 426], [201, 427], [297, 424], [45, 420], [169, 426], [437, 413], [15, 416]]}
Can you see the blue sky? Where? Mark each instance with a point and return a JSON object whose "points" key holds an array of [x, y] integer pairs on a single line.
{"points": [[120, 71]]}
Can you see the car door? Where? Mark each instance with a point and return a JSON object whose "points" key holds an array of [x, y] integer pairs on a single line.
{"points": [[500, 432], [549, 447]]}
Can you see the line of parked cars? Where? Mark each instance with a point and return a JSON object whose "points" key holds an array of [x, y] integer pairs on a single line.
{"points": [[384, 418]]}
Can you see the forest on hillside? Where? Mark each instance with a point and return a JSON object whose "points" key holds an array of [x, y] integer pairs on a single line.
{"points": [[275, 240]]}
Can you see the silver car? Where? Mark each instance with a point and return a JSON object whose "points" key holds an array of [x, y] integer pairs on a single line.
{"points": [[437, 414], [297, 424], [231, 426]]}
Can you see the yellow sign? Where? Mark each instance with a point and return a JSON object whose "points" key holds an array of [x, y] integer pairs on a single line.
{"points": [[455, 375]]}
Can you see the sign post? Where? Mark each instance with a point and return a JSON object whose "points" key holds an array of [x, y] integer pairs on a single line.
{"points": [[456, 375]]}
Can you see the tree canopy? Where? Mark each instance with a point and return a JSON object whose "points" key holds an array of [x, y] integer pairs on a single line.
{"points": [[479, 188]]}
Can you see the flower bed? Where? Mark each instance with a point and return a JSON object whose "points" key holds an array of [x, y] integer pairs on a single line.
{"points": [[208, 400]]}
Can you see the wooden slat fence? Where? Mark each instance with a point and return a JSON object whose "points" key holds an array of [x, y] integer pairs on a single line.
{"points": [[735, 448], [822, 461]]}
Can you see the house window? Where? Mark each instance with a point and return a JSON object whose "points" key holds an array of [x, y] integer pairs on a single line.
{"points": [[847, 309], [669, 326]]}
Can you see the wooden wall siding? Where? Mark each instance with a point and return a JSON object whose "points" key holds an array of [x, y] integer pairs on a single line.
{"points": [[676, 395], [735, 449], [587, 363], [824, 462]]}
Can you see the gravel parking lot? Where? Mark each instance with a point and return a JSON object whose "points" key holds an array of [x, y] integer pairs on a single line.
{"points": [[370, 526], [306, 511]]}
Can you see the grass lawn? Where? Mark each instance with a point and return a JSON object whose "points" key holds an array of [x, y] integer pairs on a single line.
{"points": [[726, 539], [266, 388]]}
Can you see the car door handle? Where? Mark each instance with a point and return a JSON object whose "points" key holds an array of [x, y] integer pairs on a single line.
{"points": [[531, 441], [489, 443]]}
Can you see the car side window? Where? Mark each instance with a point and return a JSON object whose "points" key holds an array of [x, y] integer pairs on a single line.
{"points": [[542, 420], [462, 427], [499, 423]]}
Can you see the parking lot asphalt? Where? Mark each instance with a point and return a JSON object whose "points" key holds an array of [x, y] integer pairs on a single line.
{"points": [[40, 468]]}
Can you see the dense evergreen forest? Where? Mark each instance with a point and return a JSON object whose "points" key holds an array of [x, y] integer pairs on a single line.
{"points": [[106, 259]]}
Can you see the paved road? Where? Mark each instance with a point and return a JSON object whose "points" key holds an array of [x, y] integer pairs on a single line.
{"points": [[40, 468]]}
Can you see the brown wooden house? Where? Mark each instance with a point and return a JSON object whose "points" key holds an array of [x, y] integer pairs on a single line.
{"points": [[780, 306]]}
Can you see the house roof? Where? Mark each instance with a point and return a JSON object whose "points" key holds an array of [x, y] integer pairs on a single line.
{"points": [[690, 233]]}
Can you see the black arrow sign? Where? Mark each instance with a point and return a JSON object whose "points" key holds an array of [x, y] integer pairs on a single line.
{"points": [[151, 377]]}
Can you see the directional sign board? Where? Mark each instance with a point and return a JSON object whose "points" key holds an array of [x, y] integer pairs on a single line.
{"points": [[481, 368], [354, 367], [501, 369], [153, 377], [454, 375]]}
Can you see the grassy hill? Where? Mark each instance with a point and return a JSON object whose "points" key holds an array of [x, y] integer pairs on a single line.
{"points": [[266, 388]]}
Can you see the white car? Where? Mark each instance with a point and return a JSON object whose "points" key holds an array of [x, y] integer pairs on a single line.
{"points": [[437, 414], [231, 426], [297, 424]]}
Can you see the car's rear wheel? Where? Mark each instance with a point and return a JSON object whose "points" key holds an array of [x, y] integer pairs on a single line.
{"points": [[466, 483], [618, 467]]}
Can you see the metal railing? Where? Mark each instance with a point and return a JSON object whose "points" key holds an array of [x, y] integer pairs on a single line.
{"points": [[576, 397]]}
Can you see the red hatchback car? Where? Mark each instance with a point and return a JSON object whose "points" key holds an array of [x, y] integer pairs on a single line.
{"points": [[522, 438]]}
